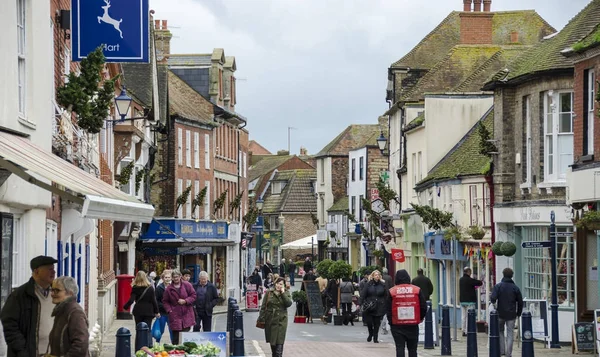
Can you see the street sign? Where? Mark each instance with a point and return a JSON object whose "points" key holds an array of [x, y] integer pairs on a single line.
{"points": [[258, 225], [120, 27], [539, 244]]}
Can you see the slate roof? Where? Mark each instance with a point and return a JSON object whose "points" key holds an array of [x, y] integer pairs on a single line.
{"points": [[341, 205], [435, 45], [415, 123], [189, 60], [266, 164], [354, 136], [547, 55], [464, 158], [298, 194], [464, 69], [186, 103]]}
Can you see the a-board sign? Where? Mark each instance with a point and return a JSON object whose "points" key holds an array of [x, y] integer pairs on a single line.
{"points": [[422, 330], [583, 337], [252, 300], [539, 317], [216, 339], [313, 295]]}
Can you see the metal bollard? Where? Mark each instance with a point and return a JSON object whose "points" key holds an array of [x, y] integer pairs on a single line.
{"points": [[123, 346], [527, 337], [230, 303], [238, 334], [428, 343], [471, 334], [234, 308], [446, 347], [494, 335], [142, 336]]}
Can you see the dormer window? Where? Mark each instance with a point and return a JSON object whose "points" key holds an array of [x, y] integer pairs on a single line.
{"points": [[277, 187]]}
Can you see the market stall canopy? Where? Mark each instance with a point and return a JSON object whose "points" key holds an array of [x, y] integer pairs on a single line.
{"points": [[302, 243], [96, 199]]}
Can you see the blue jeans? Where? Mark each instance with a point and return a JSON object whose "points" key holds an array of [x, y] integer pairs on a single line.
{"points": [[292, 275], [163, 320]]}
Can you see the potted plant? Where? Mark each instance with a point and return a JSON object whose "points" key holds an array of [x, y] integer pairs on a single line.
{"points": [[300, 298], [590, 221], [337, 271], [477, 232], [323, 271]]}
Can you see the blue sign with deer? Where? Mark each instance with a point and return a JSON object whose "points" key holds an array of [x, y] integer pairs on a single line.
{"points": [[120, 27]]}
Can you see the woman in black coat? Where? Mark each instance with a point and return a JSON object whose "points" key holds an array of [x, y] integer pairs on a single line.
{"points": [[374, 291], [142, 293]]}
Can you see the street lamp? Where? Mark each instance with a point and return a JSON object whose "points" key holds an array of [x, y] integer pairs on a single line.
{"points": [[123, 102], [381, 142], [259, 206]]}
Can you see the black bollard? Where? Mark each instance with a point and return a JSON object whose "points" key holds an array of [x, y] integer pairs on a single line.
{"points": [[234, 308], [428, 343], [527, 337], [142, 336], [471, 334], [446, 347], [230, 303], [494, 335], [238, 334], [123, 345]]}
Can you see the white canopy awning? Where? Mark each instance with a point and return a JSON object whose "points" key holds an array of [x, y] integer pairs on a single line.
{"points": [[302, 243]]}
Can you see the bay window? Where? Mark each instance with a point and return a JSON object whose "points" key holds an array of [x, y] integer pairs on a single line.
{"points": [[558, 134]]}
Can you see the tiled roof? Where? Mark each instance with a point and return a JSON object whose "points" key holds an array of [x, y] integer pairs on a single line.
{"points": [[547, 55], [189, 60], [341, 205], [588, 42], [464, 159], [265, 165], [297, 196], [137, 77], [186, 102], [435, 45], [415, 123], [257, 149], [354, 136], [464, 69]]}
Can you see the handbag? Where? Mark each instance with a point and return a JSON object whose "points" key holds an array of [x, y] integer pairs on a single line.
{"points": [[261, 323], [369, 306]]}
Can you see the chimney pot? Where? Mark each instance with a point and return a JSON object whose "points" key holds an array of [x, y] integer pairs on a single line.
{"points": [[477, 7], [164, 24], [156, 24], [467, 5], [487, 5]]}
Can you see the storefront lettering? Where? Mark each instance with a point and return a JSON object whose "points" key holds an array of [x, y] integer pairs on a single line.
{"points": [[187, 229], [529, 214]]}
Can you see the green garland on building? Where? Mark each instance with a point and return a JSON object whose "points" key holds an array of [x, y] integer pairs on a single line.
{"points": [[125, 174]]}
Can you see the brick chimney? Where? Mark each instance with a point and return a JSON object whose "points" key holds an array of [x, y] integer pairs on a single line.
{"points": [[162, 40], [467, 5], [303, 151], [476, 25]]}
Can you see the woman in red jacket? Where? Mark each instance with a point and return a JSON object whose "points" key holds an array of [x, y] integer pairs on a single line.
{"points": [[178, 301]]}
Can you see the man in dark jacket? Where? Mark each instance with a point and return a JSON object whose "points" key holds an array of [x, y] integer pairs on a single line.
{"points": [[307, 265], [255, 280], [267, 269], [27, 314], [424, 283], [282, 268], [292, 271], [508, 300], [468, 295], [207, 297], [389, 283], [405, 334]]}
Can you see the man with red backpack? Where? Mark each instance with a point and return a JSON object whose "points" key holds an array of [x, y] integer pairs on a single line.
{"points": [[406, 309]]}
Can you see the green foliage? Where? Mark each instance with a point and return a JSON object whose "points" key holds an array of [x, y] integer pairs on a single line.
{"points": [[386, 194], [139, 176], [497, 248], [368, 270], [332, 234], [378, 253], [323, 268], [182, 199], [315, 220], [250, 217], [477, 232], [86, 94], [339, 270], [125, 174], [454, 232], [508, 249], [486, 147], [434, 218], [219, 202], [350, 216], [590, 220], [299, 296], [235, 204], [199, 199]]}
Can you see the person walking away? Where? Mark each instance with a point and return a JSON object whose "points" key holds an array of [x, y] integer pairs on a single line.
{"points": [[375, 293], [207, 297], [163, 319], [282, 268], [361, 285], [257, 281], [292, 272], [332, 292], [389, 282], [143, 294], [406, 310], [178, 300], [468, 295], [507, 298], [346, 293], [69, 335], [307, 264], [274, 314], [424, 283], [267, 269], [27, 312]]}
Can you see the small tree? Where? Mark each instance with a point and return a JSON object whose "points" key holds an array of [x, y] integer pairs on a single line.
{"points": [[300, 298], [339, 270], [182, 199], [199, 199], [323, 268]]}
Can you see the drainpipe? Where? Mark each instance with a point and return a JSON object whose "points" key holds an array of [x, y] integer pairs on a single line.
{"points": [[490, 181]]}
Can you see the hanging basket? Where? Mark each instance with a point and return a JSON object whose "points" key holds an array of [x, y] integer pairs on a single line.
{"points": [[478, 236], [592, 225]]}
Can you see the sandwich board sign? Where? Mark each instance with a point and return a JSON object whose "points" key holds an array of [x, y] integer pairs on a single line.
{"points": [[120, 27]]}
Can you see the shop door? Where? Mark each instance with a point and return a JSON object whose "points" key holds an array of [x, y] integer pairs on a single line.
{"points": [[6, 253]]}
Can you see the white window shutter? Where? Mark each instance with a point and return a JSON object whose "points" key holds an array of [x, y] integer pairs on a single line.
{"points": [[196, 192], [179, 192], [197, 150], [206, 151], [179, 147], [188, 153], [207, 200], [188, 204]]}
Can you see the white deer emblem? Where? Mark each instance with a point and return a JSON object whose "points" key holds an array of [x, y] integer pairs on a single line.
{"points": [[109, 20]]}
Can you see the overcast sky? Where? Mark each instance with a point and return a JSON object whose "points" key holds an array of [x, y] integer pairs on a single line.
{"points": [[316, 65]]}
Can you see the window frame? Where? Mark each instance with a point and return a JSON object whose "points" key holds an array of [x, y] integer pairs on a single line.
{"points": [[361, 168], [207, 151], [21, 8], [180, 146], [353, 170], [196, 150], [188, 149], [188, 204], [590, 93], [206, 203], [179, 192], [552, 159]]}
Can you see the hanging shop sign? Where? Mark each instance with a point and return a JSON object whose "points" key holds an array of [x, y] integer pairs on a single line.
{"points": [[398, 255], [185, 228], [436, 247]]}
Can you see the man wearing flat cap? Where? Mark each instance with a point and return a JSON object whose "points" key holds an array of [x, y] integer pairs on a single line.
{"points": [[27, 314]]}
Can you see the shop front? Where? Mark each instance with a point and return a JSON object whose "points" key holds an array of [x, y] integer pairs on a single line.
{"points": [[209, 246]]}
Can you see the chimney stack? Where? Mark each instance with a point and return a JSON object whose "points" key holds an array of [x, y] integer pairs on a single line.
{"points": [[303, 151], [162, 40], [514, 37], [487, 5], [477, 6], [476, 25], [467, 5]]}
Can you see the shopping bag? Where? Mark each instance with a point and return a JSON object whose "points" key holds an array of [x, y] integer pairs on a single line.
{"points": [[156, 333]]}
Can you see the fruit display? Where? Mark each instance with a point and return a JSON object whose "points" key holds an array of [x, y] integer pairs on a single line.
{"points": [[187, 349]]}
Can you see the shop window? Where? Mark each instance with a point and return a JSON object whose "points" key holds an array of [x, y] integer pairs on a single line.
{"points": [[537, 282]]}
